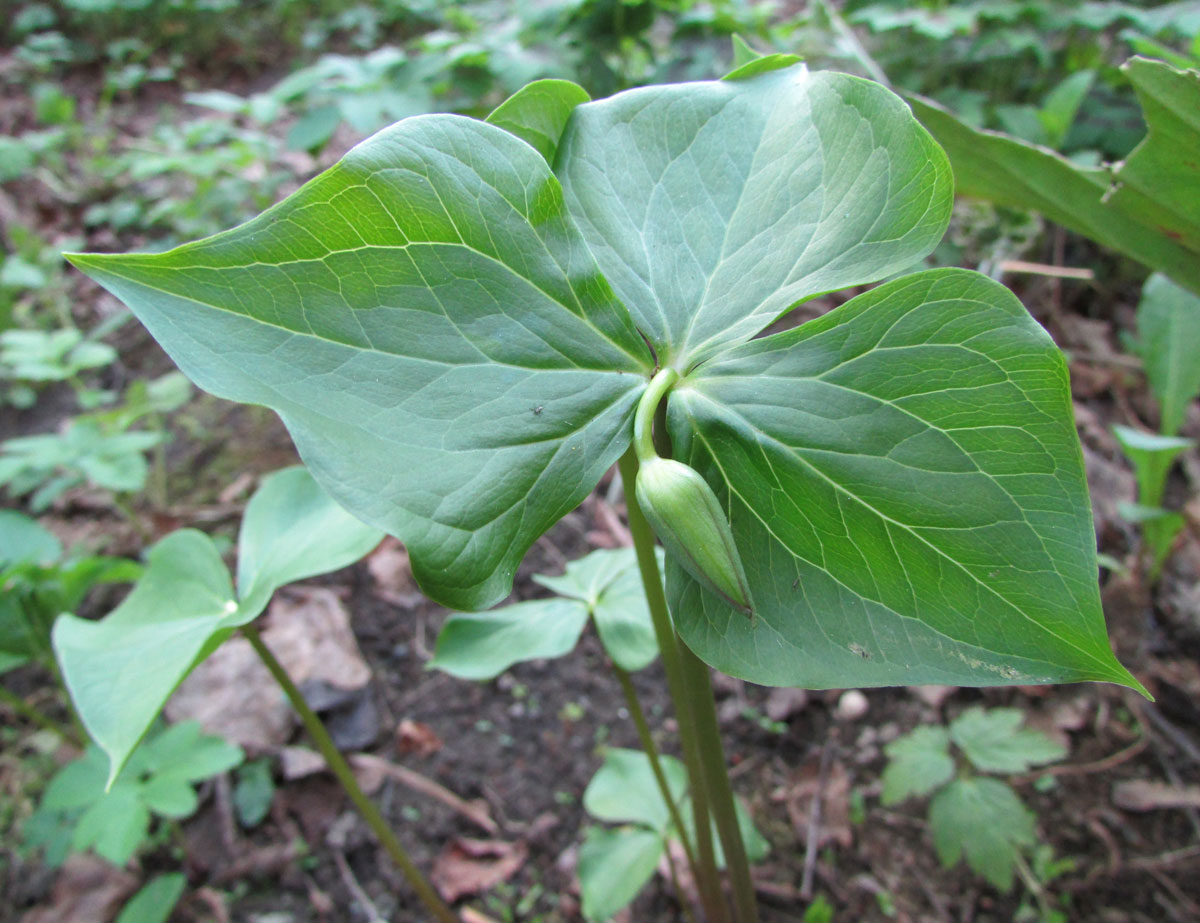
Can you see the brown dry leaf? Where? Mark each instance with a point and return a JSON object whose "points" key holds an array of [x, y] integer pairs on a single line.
{"points": [[473, 866], [87, 890], [231, 693], [1146, 795], [417, 738], [308, 629], [390, 569], [298, 762], [233, 696], [835, 803]]}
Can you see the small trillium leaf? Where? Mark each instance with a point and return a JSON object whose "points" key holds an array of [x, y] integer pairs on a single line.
{"points": [[906, 488], [292, 530], [613, 866], [623, 621], [433, 331], [482, 645], [624, 790], [609, 583], [712, 208], [122, 668], [985, 820], [588, 577], [538, 112]]}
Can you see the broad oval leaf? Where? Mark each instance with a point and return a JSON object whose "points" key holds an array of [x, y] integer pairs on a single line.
{"points": [[121, 669], [433, 331], [906, 489], [714, 207]]}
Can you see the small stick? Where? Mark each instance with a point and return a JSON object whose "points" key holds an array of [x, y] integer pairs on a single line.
{"points": [[426, 786], [1046, 269], [814, 816], [355, 889]]}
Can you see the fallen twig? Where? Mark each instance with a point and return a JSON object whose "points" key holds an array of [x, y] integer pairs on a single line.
{"points": [[355, 889], [814, 816], [471, 810]]}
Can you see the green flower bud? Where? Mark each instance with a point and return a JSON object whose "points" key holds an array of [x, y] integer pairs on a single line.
{"points": [[687, 518]]}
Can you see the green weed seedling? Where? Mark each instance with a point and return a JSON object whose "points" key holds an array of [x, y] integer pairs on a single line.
{"points": [[82, 808], [616, 862], [99, 449], [1168, 328], [1152, 456], [460, 321], [35, 357], [974, 815], [38, 581]]}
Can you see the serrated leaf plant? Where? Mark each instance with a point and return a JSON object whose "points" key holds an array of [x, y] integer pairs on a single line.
{"points": [[83, 809], [972, 815], [460, 320]]}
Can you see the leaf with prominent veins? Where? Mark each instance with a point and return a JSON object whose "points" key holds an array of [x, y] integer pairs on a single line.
{"points": [[905, 486], [434, 333], [714, 207]]}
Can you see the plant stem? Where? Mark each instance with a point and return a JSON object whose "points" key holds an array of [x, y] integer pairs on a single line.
{"points": [[716, 778], [39, 717], [345, 775], [643, 729], [715, 908]]}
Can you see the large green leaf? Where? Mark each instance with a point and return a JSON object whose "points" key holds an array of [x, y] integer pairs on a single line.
{"points": [[432, 330], [906, 490], [1159, 182], [712, 208], [538, 112], [1149, 209]]}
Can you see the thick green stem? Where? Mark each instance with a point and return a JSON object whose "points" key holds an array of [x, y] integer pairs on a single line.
{"points": [[707, 882], [717, 779], [345, 775], [644, 735], [643, 419]]}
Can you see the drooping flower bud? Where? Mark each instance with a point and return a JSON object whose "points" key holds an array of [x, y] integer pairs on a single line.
{"points": [[687, 518]]}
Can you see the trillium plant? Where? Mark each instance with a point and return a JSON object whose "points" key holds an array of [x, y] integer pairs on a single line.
{"points": [[464, 323]]}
